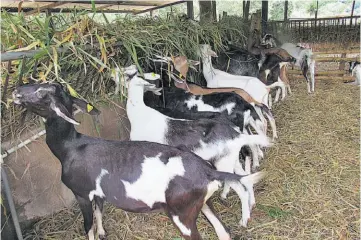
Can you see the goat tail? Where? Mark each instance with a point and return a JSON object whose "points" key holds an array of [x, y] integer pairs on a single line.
{"points": [[246, 180], [252, 179], [257, 139], [267, 112], [266, 96], [265, 109]]}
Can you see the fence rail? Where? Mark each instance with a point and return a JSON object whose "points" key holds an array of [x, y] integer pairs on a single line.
{"points": [[336, 29]]}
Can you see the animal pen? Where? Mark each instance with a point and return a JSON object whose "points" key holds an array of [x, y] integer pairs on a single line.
{"points": [[312, 187]]}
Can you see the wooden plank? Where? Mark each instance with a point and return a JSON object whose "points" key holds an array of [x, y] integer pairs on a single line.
{"points": [[337, 59], [332, 78], [335, 47], [336, 51], [319, 73]]}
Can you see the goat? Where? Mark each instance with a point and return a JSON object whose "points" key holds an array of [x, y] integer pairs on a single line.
{"points": [[213, 140], [135, 176], [304, 58], [173, 113], [355, 70], [180, 101], [216, 78], [246, 152], [179, 70], [238, 61], [156, 103]]}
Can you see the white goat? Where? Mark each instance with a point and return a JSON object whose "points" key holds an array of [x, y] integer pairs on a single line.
{"points": [[216, 78]]}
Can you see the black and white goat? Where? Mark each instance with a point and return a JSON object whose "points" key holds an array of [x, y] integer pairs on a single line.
{"points": [[304, 58], [232, 106], [213, 140], [134, 176], [240, 62]]}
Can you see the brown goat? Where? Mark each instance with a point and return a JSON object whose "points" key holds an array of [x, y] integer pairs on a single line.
{"points": [[181, 65]]}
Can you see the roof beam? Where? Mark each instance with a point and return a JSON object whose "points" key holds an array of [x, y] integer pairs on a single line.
{"points": [[104, 6], [39, 9], [158, 7]]}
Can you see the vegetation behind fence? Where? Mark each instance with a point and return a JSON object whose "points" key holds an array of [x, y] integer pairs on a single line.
{"points": [[341, 29]]}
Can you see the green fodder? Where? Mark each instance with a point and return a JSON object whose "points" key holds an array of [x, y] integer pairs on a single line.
{"points": [[90, 49]]}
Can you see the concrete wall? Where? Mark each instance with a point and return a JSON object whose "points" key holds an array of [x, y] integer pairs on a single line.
{"points": [[34, 173]]}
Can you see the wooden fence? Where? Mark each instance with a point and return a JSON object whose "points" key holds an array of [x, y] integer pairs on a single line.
{"points": [[337, 29], [332, 53]]}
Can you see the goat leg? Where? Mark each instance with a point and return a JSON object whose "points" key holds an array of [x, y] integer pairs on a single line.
{"points": [[87, 211], [98, 216], [278, 92], [221, 231]]}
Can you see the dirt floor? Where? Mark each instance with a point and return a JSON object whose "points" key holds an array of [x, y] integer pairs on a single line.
{"points": [[311, 190]]}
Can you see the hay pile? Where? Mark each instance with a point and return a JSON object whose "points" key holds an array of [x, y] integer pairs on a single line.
{"points": [[311, 191], [94, 48]]}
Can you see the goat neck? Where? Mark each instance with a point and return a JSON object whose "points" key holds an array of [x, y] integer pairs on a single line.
{"points": [[207, 67], [60, 134], [135, 94]]}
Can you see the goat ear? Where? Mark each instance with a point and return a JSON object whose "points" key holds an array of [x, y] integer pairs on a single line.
{"points": [[212, 53], [161, 59], [155, 90], [151, 76], [62, 112], [194, 63], [85, 106]]}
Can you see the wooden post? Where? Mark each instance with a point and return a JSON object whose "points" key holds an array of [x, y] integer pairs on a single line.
{"points": [[151, 13], [342, 63], [246, 10], [255, 25], [264, 16], [5, 87], [285, 15], [353, 8], [214, 10], [316, 11], [256, 21], [205, 9], [190, 10]]}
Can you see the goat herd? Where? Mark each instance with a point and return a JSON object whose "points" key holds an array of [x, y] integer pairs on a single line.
{"points": [[186, 140]]}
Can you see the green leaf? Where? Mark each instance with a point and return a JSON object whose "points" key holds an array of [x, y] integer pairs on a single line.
{"points": [[93, 6]]}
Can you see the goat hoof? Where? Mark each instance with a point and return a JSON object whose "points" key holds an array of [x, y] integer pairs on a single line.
{"points": [[102, 237], [252, 205], [238, 237], [244, 223], [255, 169], [223, 201]]}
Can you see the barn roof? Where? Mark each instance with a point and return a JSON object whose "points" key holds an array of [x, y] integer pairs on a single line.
{"points": [[134, 7]]}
